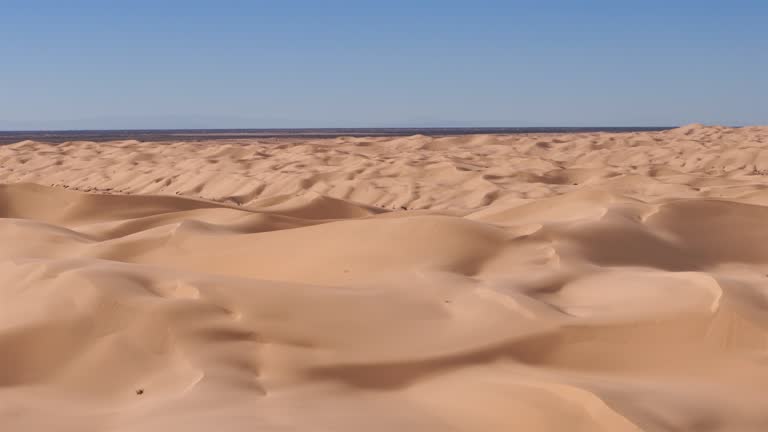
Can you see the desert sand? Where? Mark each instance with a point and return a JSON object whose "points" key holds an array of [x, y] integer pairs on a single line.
{"points": [[583, 282]]}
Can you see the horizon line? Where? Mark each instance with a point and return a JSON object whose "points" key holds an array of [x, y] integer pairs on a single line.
{"points": [[328, 128]]}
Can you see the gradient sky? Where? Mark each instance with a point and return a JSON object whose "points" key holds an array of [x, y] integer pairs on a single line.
{"points": [[326, 63]]}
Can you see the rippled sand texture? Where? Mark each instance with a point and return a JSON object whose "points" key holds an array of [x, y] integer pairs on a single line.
{"points": [[586, 282]]}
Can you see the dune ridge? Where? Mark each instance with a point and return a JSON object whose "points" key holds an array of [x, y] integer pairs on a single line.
{"points": [[549, 282]]}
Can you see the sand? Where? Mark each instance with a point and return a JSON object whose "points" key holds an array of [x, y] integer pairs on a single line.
{"points": [[582, 282]]}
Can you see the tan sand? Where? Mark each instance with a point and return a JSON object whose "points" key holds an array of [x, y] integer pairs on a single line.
{"points": [[584, 282]]}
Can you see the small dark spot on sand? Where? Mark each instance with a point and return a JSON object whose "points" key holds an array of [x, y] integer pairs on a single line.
{"points": [[140, 392]]}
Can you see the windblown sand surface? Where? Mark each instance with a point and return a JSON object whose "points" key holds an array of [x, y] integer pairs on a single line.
{"points": [[586, 282]]}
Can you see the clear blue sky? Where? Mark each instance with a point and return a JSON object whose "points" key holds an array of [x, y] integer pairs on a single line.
{"points": [[137, 63]]}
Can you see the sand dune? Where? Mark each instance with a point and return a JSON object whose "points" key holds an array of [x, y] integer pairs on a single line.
{"points": [[584, 282]]}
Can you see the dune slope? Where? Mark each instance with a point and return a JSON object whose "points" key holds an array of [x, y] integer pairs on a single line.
{"points": [[586, 282]]}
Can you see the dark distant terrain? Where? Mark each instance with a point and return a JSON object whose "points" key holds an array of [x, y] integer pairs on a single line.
{"points": [[212, 134]]}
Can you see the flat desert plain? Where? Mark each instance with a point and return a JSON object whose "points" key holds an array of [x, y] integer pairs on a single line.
{"points": [[582, 282]]}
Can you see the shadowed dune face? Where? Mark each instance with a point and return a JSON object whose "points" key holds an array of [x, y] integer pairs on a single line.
{"points": [[586, 282]]}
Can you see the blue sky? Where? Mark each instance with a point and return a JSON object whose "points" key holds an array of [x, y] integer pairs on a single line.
{"points": [[100, 64]]}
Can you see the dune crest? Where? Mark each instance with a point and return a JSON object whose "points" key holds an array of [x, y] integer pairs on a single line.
{"points": [[578, 282]]}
